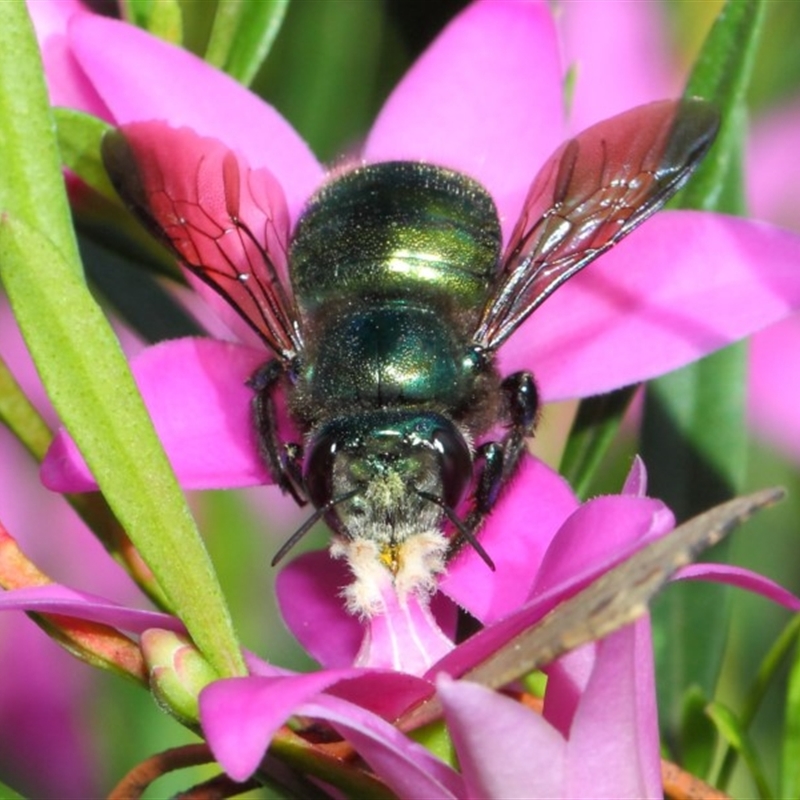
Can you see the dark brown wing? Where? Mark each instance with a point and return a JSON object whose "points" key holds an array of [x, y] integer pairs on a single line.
{"points": [[594, 190], [226, 223]]}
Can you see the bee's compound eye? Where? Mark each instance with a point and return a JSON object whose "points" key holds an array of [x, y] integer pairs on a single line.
{"points": [[318, 469], [455, 463]]}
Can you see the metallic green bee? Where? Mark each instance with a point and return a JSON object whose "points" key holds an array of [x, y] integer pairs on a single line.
{"points": [[384, 316]]}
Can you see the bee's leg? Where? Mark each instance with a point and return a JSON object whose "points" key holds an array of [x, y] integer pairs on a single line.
{"points": [[522, 403], [283, 459], [501, 459]]}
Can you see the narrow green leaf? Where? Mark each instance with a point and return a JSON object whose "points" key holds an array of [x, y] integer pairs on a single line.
{"points": [[163, 18], [242, 35], [7, 793], [78, 357], [79, 138], [694, 437], [790, 756], [31, 186], [730, 728], [18, 414], [769, 672], [324, 71], [722, 73], [593, 431], [699, 739]]}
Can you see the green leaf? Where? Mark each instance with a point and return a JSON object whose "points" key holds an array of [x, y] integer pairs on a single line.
{"points": [[90, 385], [19, 415], [790, 763], [324, 72], [79, 137], [593, 431], [769, 673], [242, 35], [790, 756], [698, 740], [722, 73], [730, 728], [436, 738], [7, 793], [78, 357], [163, 18], [694, 436], [31, 186]]}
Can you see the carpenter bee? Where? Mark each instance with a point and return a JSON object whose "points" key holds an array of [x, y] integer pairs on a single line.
{"points": [[384, 308]]}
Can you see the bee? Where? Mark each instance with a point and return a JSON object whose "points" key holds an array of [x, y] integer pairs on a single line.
{"points": [[384, 308]]}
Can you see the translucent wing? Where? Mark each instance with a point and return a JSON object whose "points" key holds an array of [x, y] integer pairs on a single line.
{"points": [[226, 223], [594, 190]]}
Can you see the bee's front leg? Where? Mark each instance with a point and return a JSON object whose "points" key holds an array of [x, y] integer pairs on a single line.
{"points": [[283, 459], [500, 460]]}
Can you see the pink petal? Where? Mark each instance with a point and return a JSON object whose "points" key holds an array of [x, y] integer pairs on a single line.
{"points": [[241, 715], [56, 599], [683, 285], [484, 99], [567, 678], [617, 44], [636, 482], [403, 636], [42, 699], [320, 622], [773, 172], [774, 386], [597, 533], [773, 182], [51, 17], [387, 694], [604, 533], [743, 579], [504, 749], [481, 645], [516, 536], [141, 77], [614, 741], [195, 392], [404, 765], [67, 85]]}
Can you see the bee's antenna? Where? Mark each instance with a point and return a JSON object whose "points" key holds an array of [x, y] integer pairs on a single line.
{"points": [[308, 524], [459, 526]]}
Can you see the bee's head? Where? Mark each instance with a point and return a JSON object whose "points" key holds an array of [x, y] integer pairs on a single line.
{"points": [[381, 473]]}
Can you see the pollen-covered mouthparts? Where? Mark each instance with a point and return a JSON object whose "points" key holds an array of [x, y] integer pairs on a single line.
{"points": [[407, 567]]}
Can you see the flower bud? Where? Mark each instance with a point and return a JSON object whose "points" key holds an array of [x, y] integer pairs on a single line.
{"points": [[178, 673]]}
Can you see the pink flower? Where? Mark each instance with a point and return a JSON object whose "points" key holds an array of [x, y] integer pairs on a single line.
{"points": [[602, 692], [604, 687], [684, 284]]}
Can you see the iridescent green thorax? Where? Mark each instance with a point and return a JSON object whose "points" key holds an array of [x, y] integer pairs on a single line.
{"points": [[397, 229]]}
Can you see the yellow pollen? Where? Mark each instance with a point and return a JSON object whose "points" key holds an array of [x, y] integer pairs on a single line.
{"points": [[390, 558]]}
